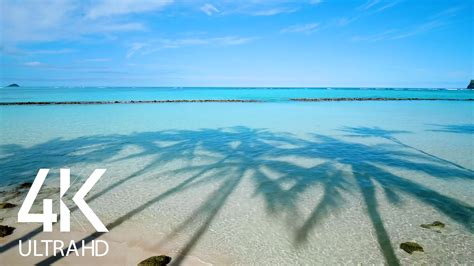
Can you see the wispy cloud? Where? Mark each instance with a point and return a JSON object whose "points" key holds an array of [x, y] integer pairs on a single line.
{"points": [[107, 8], [21, 52], [33, 64], [368, 4], [371, 7], [209, 9], [305, 28], [434, 22], [95, 60], [51, 52], [73, 67], [135, 47], [216, 41], [148, 47], [50, 20], [273, 11]]}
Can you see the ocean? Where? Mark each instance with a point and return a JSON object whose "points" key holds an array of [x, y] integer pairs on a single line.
{"points": [[271, 182]]}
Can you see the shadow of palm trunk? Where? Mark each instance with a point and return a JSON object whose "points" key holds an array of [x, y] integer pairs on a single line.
{"points": [[367, 189], [178, 188], [209, 209], [329, 202]]}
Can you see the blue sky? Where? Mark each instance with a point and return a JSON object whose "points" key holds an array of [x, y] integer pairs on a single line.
{"points": [[368, 43]]}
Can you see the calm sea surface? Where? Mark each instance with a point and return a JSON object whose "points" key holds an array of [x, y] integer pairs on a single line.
{"points": [[258, 183], [263, 94]]}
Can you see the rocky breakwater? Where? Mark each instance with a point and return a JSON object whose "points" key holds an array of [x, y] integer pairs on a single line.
{"points": [[130, 102], [374, 99]]}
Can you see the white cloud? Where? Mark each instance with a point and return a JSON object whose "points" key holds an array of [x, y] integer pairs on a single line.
{"points": [[105, 8], [51, 20], [306, 28], [209, 9], [34, 20]]}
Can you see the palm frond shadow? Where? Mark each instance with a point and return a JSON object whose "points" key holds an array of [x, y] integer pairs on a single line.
{"points": [[241, 153], [458, 129]]}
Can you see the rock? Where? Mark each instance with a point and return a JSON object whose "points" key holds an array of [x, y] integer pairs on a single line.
{"points": [[471, 85], [409, 247], [13, 85], [6, 230], [7, 205], [25, 185], [434, 225], [156, 261]]}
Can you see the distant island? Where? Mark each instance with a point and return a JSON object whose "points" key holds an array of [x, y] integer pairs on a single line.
{"points": [[13, 85], [471, 85]]}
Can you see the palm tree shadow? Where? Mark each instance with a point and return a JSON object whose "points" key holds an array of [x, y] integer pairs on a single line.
{"points": [[390, 135], [458, 129], [234, 153]]}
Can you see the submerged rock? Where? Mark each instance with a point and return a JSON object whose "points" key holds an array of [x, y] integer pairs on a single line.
{"points": [[25, 185], [434, 225], [156, 261], [6, 230], [410, 247], [13, 85], [7, 205]]}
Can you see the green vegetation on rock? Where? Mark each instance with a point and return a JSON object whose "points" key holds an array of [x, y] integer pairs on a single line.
{"points": [[7, 205], [410, 247], [161, 260], [6, 230]]}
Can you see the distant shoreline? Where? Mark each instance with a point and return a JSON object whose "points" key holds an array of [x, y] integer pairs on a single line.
{"points": [[231, 101]]}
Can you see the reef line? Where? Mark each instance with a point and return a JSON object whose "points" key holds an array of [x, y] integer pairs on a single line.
{"points": [[374, 99], [129, 102], [232, 101]]}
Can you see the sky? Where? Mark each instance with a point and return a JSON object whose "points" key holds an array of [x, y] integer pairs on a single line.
{"points": [[254, 43]]}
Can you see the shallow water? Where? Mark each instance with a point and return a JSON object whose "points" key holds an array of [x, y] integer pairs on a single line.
{"points": [[57, 94], [261, 183]]}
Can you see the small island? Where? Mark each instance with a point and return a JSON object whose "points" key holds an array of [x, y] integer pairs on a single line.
{"points": [[471, 85], [13, 85]]}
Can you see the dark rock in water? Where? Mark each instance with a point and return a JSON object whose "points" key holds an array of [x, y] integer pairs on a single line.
{"points": [[7, 205], [6, 230], [156, 261], [25, 185], [434, 225], [410, 247], [471, 85], [13, 85]]}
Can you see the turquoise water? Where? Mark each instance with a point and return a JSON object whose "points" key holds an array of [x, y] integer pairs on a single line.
{"points": [[268, 94], [258, 183]]}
